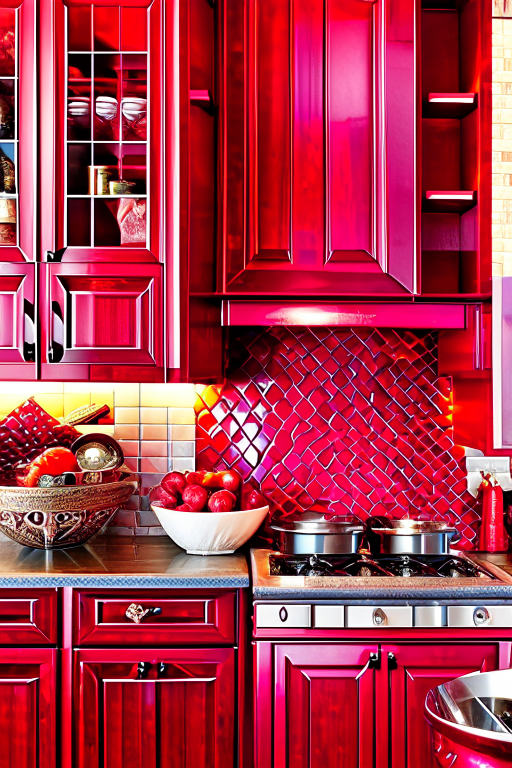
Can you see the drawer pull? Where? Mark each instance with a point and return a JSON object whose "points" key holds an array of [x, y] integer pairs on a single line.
{"points": [[161, 669], [283, 614], [143, 668], [137, 613]]}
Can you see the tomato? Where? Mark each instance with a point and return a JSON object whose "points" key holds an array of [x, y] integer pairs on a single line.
{"points": [[53, 461]]}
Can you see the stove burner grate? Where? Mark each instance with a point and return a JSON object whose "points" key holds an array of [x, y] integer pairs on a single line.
{"points": [[361, 565]]}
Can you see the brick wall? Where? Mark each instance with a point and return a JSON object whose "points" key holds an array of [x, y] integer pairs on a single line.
{"points": [[502, 137]]}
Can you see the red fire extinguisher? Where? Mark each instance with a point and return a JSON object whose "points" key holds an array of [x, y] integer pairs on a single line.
{"points": [[493, 537]]}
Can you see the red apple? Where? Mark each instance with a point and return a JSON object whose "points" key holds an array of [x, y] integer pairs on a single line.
{"points": [[195, 496], [195, 478], [174, 482], [231, 480], [211, 480], [252, 498], [168, 500], [222, 501], [183, 508]]}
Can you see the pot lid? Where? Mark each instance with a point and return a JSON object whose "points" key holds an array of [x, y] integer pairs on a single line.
{"points": [[314, 522], [406, 526]]}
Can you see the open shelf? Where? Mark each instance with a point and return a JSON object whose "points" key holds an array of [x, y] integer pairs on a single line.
{"points": [[449, 201], [450, 105]]}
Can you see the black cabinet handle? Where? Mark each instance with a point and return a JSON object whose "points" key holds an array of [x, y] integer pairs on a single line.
{"points": [[392, 661], [161, 669], [374, 661], [143, 668]]}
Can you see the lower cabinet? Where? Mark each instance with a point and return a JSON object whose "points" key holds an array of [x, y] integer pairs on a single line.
{"points": [[28, 736], [348, 705], [155, 708]]}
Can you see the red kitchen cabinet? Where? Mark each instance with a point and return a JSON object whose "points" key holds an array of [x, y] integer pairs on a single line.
{"points": [[354, 705], [413, 671], [315, 705], [317, 148], [28, 735], [154, 708]]}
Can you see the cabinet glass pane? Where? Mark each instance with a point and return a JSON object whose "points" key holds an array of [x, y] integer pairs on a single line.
{"points": [[8, 126], [107, 156]]}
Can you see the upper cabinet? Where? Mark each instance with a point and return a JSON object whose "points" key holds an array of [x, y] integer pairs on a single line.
{"points": [[455, 147], [317, 147], [87, 235], [102, 222]]}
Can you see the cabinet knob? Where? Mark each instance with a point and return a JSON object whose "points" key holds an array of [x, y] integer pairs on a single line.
{"points": [[137, 613], [283, 614], [379, 617], [481, 615]]}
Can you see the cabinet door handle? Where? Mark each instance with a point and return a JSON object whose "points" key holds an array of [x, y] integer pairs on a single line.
{"points": [[137, 613], [161, 669], [143, 668], [392, 661], [29, 332], [374, 661]]}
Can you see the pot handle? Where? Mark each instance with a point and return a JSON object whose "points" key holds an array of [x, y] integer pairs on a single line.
{"points": [[455, 537]]}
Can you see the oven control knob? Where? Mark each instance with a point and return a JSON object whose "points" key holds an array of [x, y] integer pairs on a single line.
{"points": [[379, 617], [283, 614], [481, 615]]}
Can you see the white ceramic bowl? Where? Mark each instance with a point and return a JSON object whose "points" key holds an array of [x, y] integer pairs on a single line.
{"points": [[210, 533]]}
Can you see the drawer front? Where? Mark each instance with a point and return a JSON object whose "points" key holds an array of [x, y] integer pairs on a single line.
{"points": [[28, 617], [279, 615], [480, 616], [362, 616], [174, 616]]}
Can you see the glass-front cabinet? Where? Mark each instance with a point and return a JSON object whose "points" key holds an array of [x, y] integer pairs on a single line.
{"points": [[82, 128], [17, 188]]}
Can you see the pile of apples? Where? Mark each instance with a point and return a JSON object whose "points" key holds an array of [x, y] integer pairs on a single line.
{"points": [[204, 491]]}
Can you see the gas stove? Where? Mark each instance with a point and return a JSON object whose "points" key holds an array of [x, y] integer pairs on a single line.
{"points": [[364, 565]]}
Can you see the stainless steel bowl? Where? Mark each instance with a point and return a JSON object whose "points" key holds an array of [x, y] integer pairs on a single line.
{"points": [[312, 534], [405, 536], [471, 720]]}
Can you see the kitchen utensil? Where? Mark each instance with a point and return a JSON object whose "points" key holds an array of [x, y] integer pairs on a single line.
{"points": [[54, 518], [210, 533], [97, 452], [314, 533], [390, 536], [471, 719]]}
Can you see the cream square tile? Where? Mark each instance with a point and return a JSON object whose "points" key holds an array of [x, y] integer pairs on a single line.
{"points": [[181, 432], [183, 465], [154, 431], [153, 464], [181, 416], [183, 448], [92, 429], [154, 448], [76, 387], [42, 387], [130, 447], [180, 395], [153, 415], [53, 404], [127, 395], [126, 415], [126, 431]]}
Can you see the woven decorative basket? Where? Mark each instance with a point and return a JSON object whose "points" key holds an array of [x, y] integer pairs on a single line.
{"points": [[56, 518]]}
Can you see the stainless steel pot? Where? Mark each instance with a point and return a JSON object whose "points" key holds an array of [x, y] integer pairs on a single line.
{"points": [[312, 534], [388, 536]]}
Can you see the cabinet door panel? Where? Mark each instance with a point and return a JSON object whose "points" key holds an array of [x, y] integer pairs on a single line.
{"points": [[323, 706], [178, 717], [309, 152], [17, 130], [17, 314], [105, 314], [420, 668], [27, 708]]}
